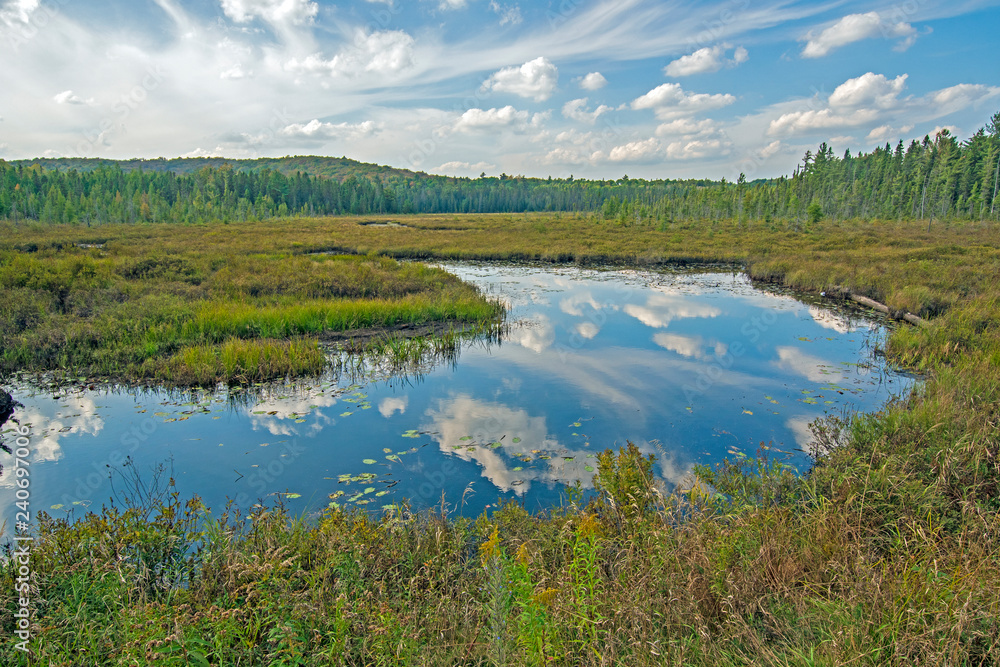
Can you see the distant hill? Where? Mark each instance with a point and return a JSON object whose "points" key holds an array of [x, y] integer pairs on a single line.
{"points": [[336, 168]]}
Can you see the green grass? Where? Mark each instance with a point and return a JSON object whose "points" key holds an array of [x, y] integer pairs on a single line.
{"points": [[887, 553], [127, 312]]}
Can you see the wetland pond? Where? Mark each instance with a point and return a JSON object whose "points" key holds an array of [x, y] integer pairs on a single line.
{"points": [[691, 367]]}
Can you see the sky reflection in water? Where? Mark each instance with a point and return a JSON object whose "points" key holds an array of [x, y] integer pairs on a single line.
{"points": [[692, 368]]}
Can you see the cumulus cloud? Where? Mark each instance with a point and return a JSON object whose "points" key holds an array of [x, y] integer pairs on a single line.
{"points": [[274, 11], [886, 133], [636, 151], [875, 101], [384, 52], [854, 28], [699, 148], [800, 122], [507, 117], [390, 406], [686, 127], [535, 79], [593, 81], [201, 152], [577, 110], [694, 347], [587, 330], [316, 130], [69, 97], [869, 90], [662, 309], [457, 166], [452, 4], [708, 59], [961, 96], [670, 101]]}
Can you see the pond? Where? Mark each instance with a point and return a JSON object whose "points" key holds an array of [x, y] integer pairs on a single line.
{"points": [[691, 367]]}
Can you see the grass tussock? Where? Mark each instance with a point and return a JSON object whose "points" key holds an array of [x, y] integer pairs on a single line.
{"points": [[139, 309], [764, 569]]}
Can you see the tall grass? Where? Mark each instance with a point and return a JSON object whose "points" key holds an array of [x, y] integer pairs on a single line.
{"points": [[133, 313], [630, 577]]}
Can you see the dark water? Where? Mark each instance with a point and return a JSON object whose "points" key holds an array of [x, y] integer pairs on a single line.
{"points": [[690, 367]]}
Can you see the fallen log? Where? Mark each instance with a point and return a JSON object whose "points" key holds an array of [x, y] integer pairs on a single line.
{"points": [[875, 305]]}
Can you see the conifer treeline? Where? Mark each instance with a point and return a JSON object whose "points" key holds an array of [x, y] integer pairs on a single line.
{"points": [[933, 178]]}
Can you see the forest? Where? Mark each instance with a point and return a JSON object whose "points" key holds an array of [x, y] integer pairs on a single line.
{"points": [[936, 177]]}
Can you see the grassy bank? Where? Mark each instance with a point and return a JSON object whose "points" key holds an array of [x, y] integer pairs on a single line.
{"points": [[202, 306], [888, 553]]}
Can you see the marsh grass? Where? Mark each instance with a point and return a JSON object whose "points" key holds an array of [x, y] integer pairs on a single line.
{"points": [[207, 308], [886, 553], [630, 577]]}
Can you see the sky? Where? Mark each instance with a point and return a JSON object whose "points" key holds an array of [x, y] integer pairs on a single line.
{"points": [[584, 88]]}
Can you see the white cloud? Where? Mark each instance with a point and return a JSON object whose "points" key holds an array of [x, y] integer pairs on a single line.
{"points": [[17, 11], [881, 133], [593, 81], [961, 96], [452, 4], [812, 368], [535, 79], [315, 129], [708, 59], [577, 110], [390, 406], [587, 330], [686, 346], [385, 52], [869, 90], [671, 101], [875, 101], [506, 117], [568, 155], [636, 151], [662, 309], [234, 72], [456, 166], [854, 28], [686, 127], [69, 97], [573, 305], [508, 13], [699, 148], [537, 334], [274, 11], [201, 152], [800, 122]]}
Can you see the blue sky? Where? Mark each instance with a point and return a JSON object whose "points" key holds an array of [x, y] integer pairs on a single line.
{"points": [[592, 88]]}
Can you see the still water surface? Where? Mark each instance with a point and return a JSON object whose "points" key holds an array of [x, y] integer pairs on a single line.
{"points": [[690, 367]]}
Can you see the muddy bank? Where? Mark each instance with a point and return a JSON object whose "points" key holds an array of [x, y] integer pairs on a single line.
{"points": [[357, 340]]}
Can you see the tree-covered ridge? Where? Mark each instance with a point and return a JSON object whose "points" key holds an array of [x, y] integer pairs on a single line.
{"points": [[932, 178], [110, 193]]}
